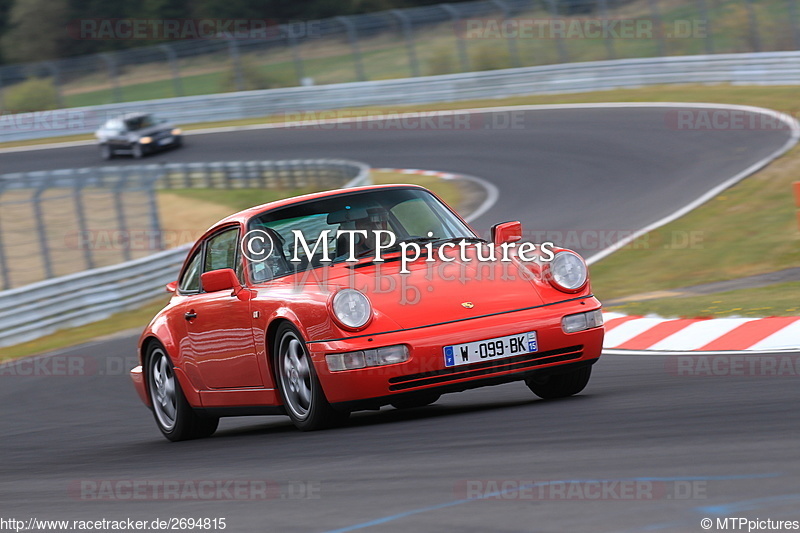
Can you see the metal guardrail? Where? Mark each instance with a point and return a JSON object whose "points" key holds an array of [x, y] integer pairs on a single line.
{"points": [[295, 103], [41, 308], [397, 43]]}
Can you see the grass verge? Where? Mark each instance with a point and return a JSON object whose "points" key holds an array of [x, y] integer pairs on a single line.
{"points": [[774, 300]]}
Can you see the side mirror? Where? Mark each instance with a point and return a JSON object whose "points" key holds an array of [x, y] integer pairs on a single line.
{"points": [[506, 232], [220, 280], [172, 287]]}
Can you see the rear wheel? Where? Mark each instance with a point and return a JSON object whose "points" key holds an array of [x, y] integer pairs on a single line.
{"points": [[174, 416], [560, 385], [298, 384]]}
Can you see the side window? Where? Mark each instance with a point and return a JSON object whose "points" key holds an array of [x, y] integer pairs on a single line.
{"points": [[190, 282], [221, 251]]}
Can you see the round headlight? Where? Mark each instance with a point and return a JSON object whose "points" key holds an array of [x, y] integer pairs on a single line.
{"points": [[568, 271], [352, 308]]}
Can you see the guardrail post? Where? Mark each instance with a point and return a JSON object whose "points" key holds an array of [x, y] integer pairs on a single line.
{"points": [[408, 36], [111, 65], [233, 50], [5, 275], [793, 22], [460, 43], [56, 75], [352, 36], [755, 37], [291, 42], [2, 99], [513, 49], [602, 7], [658, 24], [709, 33], [563, 56], [172, 59], [152, 204], [41, 229], [120, 208], [80, 212]]}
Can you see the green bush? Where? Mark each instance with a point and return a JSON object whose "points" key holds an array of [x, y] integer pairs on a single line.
{"points": [[442, 60], [33, 94], [254, 76], [489, 58]]}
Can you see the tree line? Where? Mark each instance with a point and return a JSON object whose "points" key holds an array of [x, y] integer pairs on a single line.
{"points": [[39, 30]]}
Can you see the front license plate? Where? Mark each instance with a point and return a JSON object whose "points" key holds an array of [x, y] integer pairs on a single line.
{"points": [[166, 140], [498, 348]]}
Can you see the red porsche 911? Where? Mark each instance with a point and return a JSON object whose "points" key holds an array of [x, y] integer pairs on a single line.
{"points": [[324, 304]]}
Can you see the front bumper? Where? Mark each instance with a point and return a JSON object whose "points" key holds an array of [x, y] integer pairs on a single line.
{"points": [[425, 371]]}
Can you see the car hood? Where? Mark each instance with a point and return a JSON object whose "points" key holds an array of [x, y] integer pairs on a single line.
{"points": [[152, 130], [437, 291]]}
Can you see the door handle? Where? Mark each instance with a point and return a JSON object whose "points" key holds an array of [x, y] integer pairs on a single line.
{"points": [[191, 315]]}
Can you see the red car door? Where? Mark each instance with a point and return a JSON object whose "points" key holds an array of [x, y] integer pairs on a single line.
{"points": [[219, 326]]}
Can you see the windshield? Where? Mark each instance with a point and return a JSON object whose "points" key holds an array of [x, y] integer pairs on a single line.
{"points": [[399, 214], [139, 123]]}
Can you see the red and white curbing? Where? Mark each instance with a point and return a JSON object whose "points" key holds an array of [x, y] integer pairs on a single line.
{"points": [[418, 172], [629, 334]]}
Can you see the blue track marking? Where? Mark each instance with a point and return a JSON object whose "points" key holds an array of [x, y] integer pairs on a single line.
{"points": [[421, 510]]}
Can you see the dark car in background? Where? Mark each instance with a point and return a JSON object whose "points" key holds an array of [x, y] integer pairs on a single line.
{"points": [[137, 134]]}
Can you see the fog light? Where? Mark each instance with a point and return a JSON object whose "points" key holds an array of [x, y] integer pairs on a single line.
{"points": [[392, 354], [582, 321], [388, 355], [145, 140]]}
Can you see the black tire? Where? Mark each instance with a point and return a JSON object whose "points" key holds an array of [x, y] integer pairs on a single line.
{"points": [[106, 152], [299, 387], [560, 385], [416, 401], [137, 151], [174, 416]]}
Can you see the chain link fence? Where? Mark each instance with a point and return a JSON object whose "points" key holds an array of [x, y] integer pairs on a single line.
{"points": [[60, 222], [439, 39]]}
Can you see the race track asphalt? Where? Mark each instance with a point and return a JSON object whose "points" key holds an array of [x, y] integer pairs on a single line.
{"points": [[655, 443]]}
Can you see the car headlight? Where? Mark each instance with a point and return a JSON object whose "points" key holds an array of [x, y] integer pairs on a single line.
{"points": [[145, 140], [568, 272], [352, 308], [177, 131]]}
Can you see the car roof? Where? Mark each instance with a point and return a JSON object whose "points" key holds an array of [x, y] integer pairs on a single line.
{"points": [[247, 214], [128, 116]]}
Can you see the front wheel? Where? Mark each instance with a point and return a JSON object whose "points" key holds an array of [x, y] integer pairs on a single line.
{"points": [[298, 384], [105, 152], [560, 385], [137, 151], [174, 416]]}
